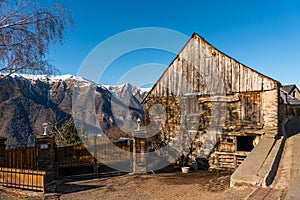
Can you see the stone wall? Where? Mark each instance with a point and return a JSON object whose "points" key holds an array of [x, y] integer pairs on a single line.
{"points": [[213, 122], [270, 110]]}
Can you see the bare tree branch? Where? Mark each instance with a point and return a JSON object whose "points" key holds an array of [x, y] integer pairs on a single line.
{"points": [[26, 32]]}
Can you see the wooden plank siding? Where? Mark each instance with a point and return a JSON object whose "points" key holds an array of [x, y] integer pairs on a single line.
{"points": [[201, 68]]}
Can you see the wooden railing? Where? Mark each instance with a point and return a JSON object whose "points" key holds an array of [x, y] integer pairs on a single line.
{"points": [[23, 178]]}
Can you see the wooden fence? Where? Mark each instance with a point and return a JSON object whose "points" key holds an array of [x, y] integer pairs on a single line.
{"points": [[26, 158], [23, 178], [79, 154], [76, 157], [20, 169], [21, 158], [73, 155], [113, 154]]}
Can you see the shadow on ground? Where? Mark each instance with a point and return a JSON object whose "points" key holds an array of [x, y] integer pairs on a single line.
{"points": [[293, 127], [67, 188], [209, 180], [83, 183]]}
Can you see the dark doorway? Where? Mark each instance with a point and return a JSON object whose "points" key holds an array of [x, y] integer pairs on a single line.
{"points": [[245, 143]]}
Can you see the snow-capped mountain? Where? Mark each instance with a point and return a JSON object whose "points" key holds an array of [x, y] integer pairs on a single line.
{"points": [[27, 101], [127, 91]]}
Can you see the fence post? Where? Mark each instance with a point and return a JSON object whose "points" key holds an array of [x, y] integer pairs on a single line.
{"points": [[139, 152], [45, 145], [2, 151]]}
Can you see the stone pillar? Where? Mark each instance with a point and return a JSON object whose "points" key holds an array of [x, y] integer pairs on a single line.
{"points": [[45, 145], [270, 100], [2, 151], [139, 152]]}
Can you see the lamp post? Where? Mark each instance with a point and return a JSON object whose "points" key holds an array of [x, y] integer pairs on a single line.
{"points": [[45, 128]]}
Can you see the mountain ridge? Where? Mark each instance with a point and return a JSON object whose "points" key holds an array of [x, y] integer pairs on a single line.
{"points": [[27, 101]]}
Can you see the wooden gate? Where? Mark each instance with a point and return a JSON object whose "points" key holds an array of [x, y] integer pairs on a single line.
{"points": [[76, 160], [79, 155]]}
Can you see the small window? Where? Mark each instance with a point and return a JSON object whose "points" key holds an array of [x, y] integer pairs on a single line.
{"points": [[230, 140], [192, 105], [245, 143]]}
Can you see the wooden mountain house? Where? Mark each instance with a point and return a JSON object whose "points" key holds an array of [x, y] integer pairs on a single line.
{"points": [[226, 106]]}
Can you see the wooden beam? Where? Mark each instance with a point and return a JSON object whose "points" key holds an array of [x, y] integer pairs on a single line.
{"points": [[230, 98]]}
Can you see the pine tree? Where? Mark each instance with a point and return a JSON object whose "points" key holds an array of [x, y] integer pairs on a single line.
{"points": [[67, 134]]}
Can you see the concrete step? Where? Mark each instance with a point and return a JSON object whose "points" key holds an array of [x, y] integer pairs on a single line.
{"points": [[260, 167]]}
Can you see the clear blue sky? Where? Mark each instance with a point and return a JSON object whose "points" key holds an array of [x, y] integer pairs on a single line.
{"points": [[264, 35]]}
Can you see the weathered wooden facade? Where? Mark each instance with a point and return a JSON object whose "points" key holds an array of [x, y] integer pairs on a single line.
{"points": [[224, 104]]}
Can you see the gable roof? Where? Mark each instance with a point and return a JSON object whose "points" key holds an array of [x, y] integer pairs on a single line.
{"points": [[289, 88], [251, 78], [287, 98]]}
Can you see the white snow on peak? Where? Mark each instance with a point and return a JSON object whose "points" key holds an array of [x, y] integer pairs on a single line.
{"points": [[63, 77], [145, 89], [142, 89], [106, 86], [50, 79], [46, 77]]}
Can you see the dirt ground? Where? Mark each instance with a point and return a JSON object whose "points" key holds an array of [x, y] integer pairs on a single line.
{"points": [[12, 194], [176, 185]]}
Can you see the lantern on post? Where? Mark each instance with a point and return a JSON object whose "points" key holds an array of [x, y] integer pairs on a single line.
{"points": [[139, 149], [45, 128], [138, 121]]}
